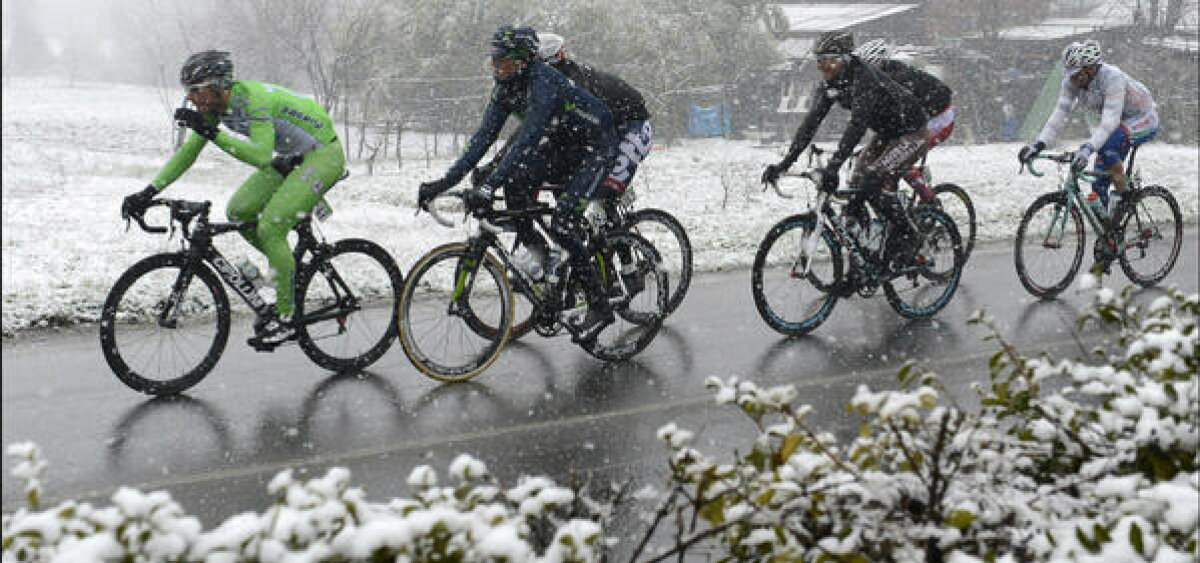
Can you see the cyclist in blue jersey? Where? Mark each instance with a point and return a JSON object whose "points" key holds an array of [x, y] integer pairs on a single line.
{"points": [[565, 130]]}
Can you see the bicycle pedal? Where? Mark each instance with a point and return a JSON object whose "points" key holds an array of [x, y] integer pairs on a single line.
{"points": [[261, 347]]}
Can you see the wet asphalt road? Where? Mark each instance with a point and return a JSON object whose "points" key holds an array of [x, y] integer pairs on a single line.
{"points": [[545, 408]]}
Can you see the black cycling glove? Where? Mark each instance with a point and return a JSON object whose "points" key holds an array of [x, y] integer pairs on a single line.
{"points": [[1027, 152], [136, 203], [195, 121]]}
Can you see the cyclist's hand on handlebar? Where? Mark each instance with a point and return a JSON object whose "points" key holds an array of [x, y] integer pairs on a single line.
{"points": [[481, 174], [478, 198], [1027, 152], [828, 181], [771, 174], [135, 204], [430, 190]]}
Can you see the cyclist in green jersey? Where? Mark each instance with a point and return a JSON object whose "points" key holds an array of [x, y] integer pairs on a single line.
{"points": [[291, 142]]}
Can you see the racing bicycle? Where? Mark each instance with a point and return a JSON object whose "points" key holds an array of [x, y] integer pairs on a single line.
{"points": [[1144, 234], [166, 321], [457, 306], [808, 261]]}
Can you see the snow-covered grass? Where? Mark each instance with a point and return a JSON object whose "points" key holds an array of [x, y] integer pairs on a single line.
{"points": [[70, 154]]}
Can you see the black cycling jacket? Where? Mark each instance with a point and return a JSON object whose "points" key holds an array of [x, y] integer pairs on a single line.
{"points": [[875, 102], [933, 94], [623, 100]]}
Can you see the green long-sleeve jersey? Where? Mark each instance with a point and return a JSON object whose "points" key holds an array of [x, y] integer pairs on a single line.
{"points": [[270, 119]]}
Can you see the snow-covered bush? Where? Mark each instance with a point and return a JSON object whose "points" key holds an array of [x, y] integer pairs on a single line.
{"points": [[323, 519], [1065, 461]]}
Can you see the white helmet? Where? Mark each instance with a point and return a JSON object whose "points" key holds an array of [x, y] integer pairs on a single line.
{"points": [[874, 51], [1078, 55], [551, 47]]}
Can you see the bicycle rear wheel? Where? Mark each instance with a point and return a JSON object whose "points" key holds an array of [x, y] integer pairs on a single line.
{"points": [[338, 329], [1149, 227], [642, 301], [791, 283], [924, 292], [957, 204], [668, 236], [455, 313], [157, 344], [1049, 246]]}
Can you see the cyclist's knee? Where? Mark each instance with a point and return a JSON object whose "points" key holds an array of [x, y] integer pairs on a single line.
{"points": [[271, 228]]}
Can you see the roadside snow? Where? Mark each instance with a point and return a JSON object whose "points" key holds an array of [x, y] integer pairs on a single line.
{"points": [[71, 154]]}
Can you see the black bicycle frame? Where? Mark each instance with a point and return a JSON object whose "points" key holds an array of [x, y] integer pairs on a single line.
{"points": [[201, 250]]}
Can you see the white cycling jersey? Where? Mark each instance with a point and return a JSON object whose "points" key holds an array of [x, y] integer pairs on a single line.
{"points": [[1113, 94]]}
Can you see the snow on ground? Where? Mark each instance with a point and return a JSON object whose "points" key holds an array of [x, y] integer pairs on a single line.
{"points": [[70, 154]]}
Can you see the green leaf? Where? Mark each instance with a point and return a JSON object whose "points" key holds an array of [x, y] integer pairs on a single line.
{"points": [[789, 445], [1135, 538], [714, 511], [1102, 535], [961, 519], [1085, 541]]}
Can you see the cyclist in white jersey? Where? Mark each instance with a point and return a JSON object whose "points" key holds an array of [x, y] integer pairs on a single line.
{"points": [[1127, 116]]}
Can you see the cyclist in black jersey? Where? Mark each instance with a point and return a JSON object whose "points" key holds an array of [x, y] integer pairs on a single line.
{"points": [[875, 102]]}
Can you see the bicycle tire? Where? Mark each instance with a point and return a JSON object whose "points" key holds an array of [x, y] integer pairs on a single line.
{"points": [[360, 340], [677, 287], [424, 287], [113, 317], [772, 308], [638, 320], [522, 314], [1137, 225], [938, 233], [1072, 234], [958, 197]]}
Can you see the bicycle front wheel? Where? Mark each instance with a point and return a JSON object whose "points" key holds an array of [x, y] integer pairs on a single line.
{"points": [[1049, 246], [923, 293], [793, 276], [346, 305], [1150, 231], [955, 202], [664, 231], [455, 313], [162, 331]]}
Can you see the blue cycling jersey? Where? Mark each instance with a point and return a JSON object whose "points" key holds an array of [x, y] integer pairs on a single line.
{"points": [[554, 110]]}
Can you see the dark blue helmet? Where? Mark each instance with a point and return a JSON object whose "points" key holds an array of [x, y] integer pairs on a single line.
{"points": [[515, 43]]}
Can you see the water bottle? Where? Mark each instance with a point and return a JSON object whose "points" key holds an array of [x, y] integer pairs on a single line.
{"points": [[1093, 201], [250, 272], [874, 236], [555, 264], [528, 263]]}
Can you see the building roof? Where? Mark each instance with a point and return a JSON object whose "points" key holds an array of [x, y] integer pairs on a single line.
{"points": [[818, 18], [1107, 14]]}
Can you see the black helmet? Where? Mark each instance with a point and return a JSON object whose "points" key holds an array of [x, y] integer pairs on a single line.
{"points": [[207, 67], [515, 43], [834, 43]]}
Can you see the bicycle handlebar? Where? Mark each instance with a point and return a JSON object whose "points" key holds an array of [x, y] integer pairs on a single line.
{"points": [[1060, 157], [437, 215], [181, 210]]}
